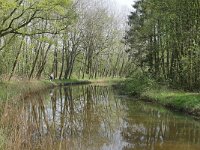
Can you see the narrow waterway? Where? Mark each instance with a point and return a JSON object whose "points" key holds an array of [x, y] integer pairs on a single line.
{"points": [[95, 117]]}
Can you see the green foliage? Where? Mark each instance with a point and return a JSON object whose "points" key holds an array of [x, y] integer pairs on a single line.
{"points": [[164, 40], [6, 5], [38, 37], [138, 83]]}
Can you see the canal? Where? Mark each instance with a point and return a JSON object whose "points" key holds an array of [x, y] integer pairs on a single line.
{"points": [[95, 117]]}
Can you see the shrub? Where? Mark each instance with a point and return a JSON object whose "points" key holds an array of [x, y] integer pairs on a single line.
{"points": [[138, 83]]}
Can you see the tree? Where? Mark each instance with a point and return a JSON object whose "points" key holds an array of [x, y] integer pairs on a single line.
{"points": [[164, 39]]}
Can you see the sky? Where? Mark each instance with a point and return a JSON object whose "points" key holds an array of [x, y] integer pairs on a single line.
{"points": [[125, 3]]}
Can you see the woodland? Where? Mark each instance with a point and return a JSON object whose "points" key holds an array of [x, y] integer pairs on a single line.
{"points": [[164, 41], [140, 62], [79, 39]]}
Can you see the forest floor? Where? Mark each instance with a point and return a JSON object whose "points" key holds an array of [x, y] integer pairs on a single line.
{"points": [[177, 100]]}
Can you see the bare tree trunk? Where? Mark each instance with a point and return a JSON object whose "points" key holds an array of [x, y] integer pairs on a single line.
{"points": [[16, 60], [63, 62], [41, 68], [35, 60]]}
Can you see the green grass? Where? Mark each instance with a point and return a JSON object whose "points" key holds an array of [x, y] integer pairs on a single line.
{"points": [[180, 100], [107, 80]]}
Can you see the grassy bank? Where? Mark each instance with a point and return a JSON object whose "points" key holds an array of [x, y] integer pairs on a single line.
{"points": [[14, 89], [18, 89], [175, 99], [11, 95], [108, 80], [70, 82], [148, 90], [88, 81], [11, 90]]}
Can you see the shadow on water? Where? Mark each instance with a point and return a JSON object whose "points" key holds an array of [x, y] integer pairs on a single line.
{"points": [[92, 117]]}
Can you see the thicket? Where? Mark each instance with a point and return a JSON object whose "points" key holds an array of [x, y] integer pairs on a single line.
{"points": [[137, 84]]}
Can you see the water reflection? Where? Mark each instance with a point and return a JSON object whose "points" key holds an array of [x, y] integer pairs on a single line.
{"points": [[93, 117], [151, 127], [80, 117]]}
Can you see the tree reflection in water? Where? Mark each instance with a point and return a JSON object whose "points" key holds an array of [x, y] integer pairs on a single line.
{"points": [[92, 117], [152, 127], [79, 117]]}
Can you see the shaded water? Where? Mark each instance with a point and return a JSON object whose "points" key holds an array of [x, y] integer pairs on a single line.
{"points": [[93, 117]]}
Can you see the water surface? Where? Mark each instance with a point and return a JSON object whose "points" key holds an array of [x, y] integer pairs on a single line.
{"points": [[94, 117]]}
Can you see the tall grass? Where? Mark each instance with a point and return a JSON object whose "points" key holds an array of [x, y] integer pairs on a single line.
{"points": [[18, 130], [15, 90], [2, 140], [12, 126]]}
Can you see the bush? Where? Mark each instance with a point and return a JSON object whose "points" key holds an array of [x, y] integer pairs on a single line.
{"points": [[138, 83]]}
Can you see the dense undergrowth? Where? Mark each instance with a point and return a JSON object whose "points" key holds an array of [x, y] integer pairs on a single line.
{"points": [[11, 95]]}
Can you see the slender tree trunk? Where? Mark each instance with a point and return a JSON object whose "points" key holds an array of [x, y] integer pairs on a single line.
{"points": [[35, 60], [63, 61], [16, 60]]}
